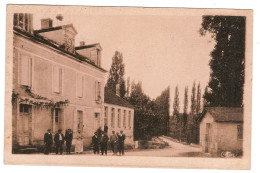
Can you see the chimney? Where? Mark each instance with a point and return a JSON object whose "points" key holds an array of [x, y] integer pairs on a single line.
{"points": [[46, 23], [118, 90], [82, 43]]}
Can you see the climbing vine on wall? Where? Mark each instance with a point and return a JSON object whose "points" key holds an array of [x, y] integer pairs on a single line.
{"points": [[37, 100]]}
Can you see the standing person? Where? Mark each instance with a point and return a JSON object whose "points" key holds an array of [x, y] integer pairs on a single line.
{"points": [[79, 143], [121, 143], [105, 128], [103, 143], [113, 139], [68, 139], [59, 141], [48, 141], [95, 143]]}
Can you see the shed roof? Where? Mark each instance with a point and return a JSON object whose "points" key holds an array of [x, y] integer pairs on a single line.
{"points": [[112, 98], [224, 114]]}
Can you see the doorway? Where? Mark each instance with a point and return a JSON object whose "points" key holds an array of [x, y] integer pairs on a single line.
{"points": [[23, 122], [80, 120], [207, 138]]}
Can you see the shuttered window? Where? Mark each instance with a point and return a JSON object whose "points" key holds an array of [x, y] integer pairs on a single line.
{"points": [[124, 119], [57, 79], [129, 119], [98, 90], [80, 86], [113, 117], [25, 70], [119, 118]]}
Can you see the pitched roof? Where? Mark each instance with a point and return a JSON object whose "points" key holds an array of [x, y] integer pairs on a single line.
{"points": [[56, 28], [224, 114], [37, 38], [112, 98], [89, 46]]}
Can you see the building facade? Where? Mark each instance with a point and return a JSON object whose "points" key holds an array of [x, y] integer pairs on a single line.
{"points": [[56, 85], [221, 129]]}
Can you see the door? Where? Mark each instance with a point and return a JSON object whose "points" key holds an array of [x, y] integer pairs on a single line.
{"points": [[23, 122], [207, 138], [57, 120], [80, 120]]}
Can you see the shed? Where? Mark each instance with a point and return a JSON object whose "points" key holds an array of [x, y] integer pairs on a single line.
{"points": [[221, 129]]}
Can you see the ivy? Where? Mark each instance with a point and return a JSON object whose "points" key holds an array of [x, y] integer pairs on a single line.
{"points": [[37, 100]]}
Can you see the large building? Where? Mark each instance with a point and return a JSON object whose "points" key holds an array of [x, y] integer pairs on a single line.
{"points": [[57, 85]]}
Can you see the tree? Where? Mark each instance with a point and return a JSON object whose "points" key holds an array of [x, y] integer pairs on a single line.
{"points": [[185, 109], [116, 74], [127, 87], [198, 104], [162, 111], [228, 57], [193, 100], [176, 114]]}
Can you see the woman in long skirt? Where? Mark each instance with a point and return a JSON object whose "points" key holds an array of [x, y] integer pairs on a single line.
{"points": [[79, 143]]}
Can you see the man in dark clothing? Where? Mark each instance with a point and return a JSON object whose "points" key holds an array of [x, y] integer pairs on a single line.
{"points": [[68, 138], [95, 143], [121, 143], [59, 141], [48, 141], [105, 128], [113, 139], [103, 143]]}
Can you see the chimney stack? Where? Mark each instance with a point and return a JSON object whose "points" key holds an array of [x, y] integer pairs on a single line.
{"points": [[46, 23], [82, 43]]}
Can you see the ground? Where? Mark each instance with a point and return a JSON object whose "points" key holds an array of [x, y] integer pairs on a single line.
{"points": [[175, 149]]}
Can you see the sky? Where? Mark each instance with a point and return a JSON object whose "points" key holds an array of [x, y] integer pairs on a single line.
{"points": [[158, 50]]}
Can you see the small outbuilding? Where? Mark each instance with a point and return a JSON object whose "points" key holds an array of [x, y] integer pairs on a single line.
{"points": [[221, 129]]}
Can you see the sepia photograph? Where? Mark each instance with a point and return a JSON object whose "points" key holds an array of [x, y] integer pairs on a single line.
{"points": [[128, 87]]}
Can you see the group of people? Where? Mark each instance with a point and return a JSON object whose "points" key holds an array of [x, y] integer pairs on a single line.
{"points": [[99, 142], [116, 143], [59, 140]]}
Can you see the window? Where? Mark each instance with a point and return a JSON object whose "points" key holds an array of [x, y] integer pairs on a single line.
{"points": [[119, 118], [124, 119], [24, 108], [113, 117], [129, 119], [23, 21], [239, 132], [25, 70], [98, 90], [80, 86], [105, 116], [57, 80], [56, 115]]}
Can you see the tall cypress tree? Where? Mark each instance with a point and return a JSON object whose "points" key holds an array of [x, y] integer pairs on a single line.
{"points": [[116, 74], [228, 58], [198, 105]]}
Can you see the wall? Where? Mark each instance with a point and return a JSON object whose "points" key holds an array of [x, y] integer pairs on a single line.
{"points": [[128, 131], [227, 137], [212, 131]]}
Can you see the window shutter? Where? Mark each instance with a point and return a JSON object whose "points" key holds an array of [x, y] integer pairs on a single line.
{"points": [[56, 80], [25, 70], [80, 81]]}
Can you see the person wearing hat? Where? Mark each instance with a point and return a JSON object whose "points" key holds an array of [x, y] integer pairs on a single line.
{"points": [[79, 143], [113, 139], [68, 139], [48, 141], [121, 143], [59, 141], [103, 143], [95, 143]]}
